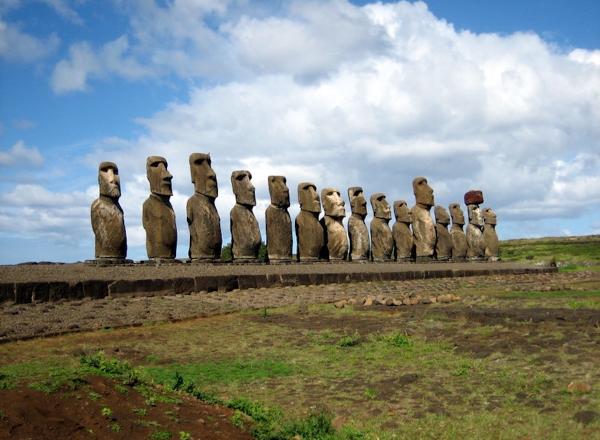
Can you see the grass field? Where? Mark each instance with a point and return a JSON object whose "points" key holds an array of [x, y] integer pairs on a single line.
{"points": [[502, 364]]}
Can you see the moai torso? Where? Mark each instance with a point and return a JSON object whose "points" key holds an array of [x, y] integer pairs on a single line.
{"points": [[336, 240], [459, 240], [245, 233], [205, 228], [382, 241], [357, 229], [158, 217], [403, 236], [278, 221], [423, 227], [475, 243], [202, 216], [109, 228], [310, 235], [490, 238], [443, 241]]}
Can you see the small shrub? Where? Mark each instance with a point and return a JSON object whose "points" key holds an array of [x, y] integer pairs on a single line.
{"points": [[349, 340], [115, 427], [398, 340], [185, 435], [140, 411], [106, 411], [161, 435]]}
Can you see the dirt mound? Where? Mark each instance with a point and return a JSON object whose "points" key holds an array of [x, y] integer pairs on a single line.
{"points": [[100, 409]]}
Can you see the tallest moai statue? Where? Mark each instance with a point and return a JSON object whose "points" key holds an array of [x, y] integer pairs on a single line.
{"points": [[107, 216], [202, 216], [158, 217]]}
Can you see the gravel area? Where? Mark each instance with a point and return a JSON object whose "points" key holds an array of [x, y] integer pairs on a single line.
{"points": [[19, 321]]}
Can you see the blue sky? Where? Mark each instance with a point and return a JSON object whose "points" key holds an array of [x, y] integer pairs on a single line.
{"points": [[502, 96]]}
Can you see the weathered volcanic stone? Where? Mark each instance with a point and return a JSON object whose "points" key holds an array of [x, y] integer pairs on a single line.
{"points": [[443, 243], [107, 216], [475, 243], [357, 229], [278, 221], [490, 238], [336, 240], [158, 217], [459, 240], [423, 227], [382, 241], [310, 235], [403, 236], [245, 233], [202, 216]]}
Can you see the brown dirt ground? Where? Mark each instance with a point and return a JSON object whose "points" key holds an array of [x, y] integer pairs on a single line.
{"points": [[75, 414]]}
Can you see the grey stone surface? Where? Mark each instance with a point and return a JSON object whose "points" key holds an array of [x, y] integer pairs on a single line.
{"points": [[382, 240], [158, 217], [278, 221], [336, 239], [422, 226], [245, 233], [475, 243], [443, 243], [310, 235], [357, 229], [459, 239], [490, 238], [403, 235], [202, 216], [107, 215]]}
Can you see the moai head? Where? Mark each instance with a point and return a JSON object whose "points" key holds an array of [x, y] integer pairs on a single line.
{"points": [[489, 216], [242, 188], [475, 217], [441, 215], [358, 203], [333, 205], [158, 176], [203, 176], [108, 180], [308, 197], [280, 194], [458, 217], [402, 212], [381, 208], [423, 192]]}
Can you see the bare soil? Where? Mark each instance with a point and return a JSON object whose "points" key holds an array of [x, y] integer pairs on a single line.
{"points": [[77, 414]]}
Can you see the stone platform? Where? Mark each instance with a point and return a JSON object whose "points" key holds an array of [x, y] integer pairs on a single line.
{"points": [[28, 283]]}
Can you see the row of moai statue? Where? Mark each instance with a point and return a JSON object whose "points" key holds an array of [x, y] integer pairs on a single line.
{"points": [[413, 237]]}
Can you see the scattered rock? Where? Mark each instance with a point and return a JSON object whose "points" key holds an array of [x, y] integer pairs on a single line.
{"points": [[579, 387], [352, 301], [397, 302], [368, 301], [340, 304], [389, 302]]}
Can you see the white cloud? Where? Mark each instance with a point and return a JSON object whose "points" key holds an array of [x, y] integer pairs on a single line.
{"points": [[73, 73], [19, 46], [62, 8], [19, 153], [23, 124]]}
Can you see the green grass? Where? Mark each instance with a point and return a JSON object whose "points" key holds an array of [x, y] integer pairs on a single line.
{"points": [[535, 294], [572, 254]]}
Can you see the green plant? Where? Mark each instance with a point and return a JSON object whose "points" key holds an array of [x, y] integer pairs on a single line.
{"points": [[370, 394], [161, 435], [349, 340], [115, 427], [226, 254], [106, 411], [140, 411], [94, 396], [185, 435], [398, 340]]}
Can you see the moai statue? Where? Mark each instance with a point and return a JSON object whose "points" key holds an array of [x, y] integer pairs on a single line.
{"points": [[278, 221], [357, 229], [403, 236], [158, 217], [490, 238], [476, 246], [107, 216], [310, 236], [382, 241], [335, 247], [443, 242], [202, 216], [245, 233], [423, 228], [459, 240]]}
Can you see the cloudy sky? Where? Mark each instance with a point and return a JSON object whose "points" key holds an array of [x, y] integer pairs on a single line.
{"points": [[500, 96]]}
